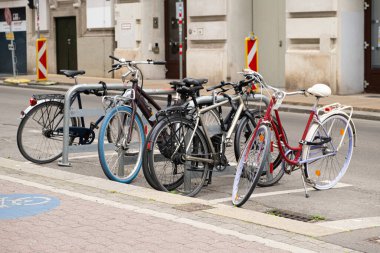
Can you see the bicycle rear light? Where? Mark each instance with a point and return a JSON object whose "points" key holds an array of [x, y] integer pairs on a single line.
{"points": [[149, 145], [32, 101]]}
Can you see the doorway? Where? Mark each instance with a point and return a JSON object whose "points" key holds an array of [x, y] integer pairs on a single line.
{"points": [[372, 46], [66, 41], [172, 49], [272, 42]]}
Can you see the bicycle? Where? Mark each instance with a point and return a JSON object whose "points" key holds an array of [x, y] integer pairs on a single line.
{"points": [[40, 133], [324, 151], [122, 134], [182, 149]]}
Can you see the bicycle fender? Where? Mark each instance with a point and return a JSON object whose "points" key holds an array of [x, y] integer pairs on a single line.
{"points": [[344, 114], [27, 110], [206, 100], [314, 127], [257, 98]]}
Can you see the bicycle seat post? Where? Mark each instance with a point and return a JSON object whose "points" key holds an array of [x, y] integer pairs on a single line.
{"points": [[75, 79]]}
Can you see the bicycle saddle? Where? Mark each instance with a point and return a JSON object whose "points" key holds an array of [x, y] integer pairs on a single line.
{"points": [[177, 84], [195, 82], [189, 90], [319, 90], [72, 73]]}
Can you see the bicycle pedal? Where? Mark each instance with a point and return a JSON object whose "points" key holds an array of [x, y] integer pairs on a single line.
{"points": [[93, 126], [131, 153]]}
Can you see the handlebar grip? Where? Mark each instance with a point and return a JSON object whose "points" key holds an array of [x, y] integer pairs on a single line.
{"points": [[214, 87], [114, 58], [116, 65], [159, 62]]}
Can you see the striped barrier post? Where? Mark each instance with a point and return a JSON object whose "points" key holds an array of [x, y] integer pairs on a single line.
{"points": [[42, 69], [251, 53]]}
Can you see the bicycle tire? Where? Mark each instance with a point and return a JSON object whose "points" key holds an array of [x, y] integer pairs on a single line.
{"points": [[251, 166], [211, 121], [128, 155], [145, 166], [162, 151], [42, 145], [334, 166], [243, 132]]}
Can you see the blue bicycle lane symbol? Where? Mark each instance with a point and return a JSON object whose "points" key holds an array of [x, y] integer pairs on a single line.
{"points": [[13, 206]]}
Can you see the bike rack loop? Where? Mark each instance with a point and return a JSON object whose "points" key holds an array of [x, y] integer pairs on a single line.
{"points": [[67, 110]]}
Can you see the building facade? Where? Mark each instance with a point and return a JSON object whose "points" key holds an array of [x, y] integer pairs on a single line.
{"points": [[300, 42]]}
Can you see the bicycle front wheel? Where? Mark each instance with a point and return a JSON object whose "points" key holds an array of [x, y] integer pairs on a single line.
{"points": [[251, 164], [167, 153], [40, 133], [333, 141], [244, 130], [121, 160]]}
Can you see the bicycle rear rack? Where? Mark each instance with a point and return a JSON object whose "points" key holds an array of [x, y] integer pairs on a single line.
{"points": [[346, 110]]}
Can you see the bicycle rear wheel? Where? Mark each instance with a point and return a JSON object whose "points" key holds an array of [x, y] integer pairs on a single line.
{"points": [[326, 172], [121, 160], [40, 133], [251, 164], [166, 153]]}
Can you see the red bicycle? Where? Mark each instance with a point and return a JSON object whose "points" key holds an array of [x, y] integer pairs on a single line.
{"points": [[323, 154]]}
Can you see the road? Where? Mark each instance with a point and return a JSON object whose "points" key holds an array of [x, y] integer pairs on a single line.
{"points": [[358, 198]]}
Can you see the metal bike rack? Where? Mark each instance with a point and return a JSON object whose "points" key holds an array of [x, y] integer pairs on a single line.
{"points": [[69, 113]]}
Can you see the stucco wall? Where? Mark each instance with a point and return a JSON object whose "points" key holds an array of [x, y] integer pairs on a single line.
{"points": [[140, 15], [216, 33], [325, 44]]}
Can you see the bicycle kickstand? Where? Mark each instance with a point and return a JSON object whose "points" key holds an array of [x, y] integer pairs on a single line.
{"points": [[304, 184]]}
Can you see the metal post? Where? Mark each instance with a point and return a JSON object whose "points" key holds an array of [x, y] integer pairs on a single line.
{"points": [[38, 18], [180, 22], [13, 49]]}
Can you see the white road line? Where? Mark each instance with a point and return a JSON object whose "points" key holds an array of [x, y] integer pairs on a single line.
{"points": [[353, 224], [165, 216], [266, 194], [83, 156]]}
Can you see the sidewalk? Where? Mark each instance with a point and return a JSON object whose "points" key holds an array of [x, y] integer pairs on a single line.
{"points": [[366, 106], [98, 215]]}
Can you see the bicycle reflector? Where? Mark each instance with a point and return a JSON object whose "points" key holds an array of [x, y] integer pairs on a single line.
{"points": [[32, 101]]}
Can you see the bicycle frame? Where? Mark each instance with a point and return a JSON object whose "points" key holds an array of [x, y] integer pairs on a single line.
{"points": [[279, 133], [198, 116]]}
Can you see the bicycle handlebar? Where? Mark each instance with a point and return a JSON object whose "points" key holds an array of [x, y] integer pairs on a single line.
{"points": [[122, 62]]}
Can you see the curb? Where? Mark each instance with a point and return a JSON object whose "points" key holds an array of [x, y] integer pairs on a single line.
{"points": [[294, 107]]}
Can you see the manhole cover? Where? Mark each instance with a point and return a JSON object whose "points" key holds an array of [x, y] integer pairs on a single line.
{"points": [[375, 239], [192, 207], [295, 216]]}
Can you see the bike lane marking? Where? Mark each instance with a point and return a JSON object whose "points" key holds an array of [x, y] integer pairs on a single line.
{"points": [[13, 206], [166, 216]]}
